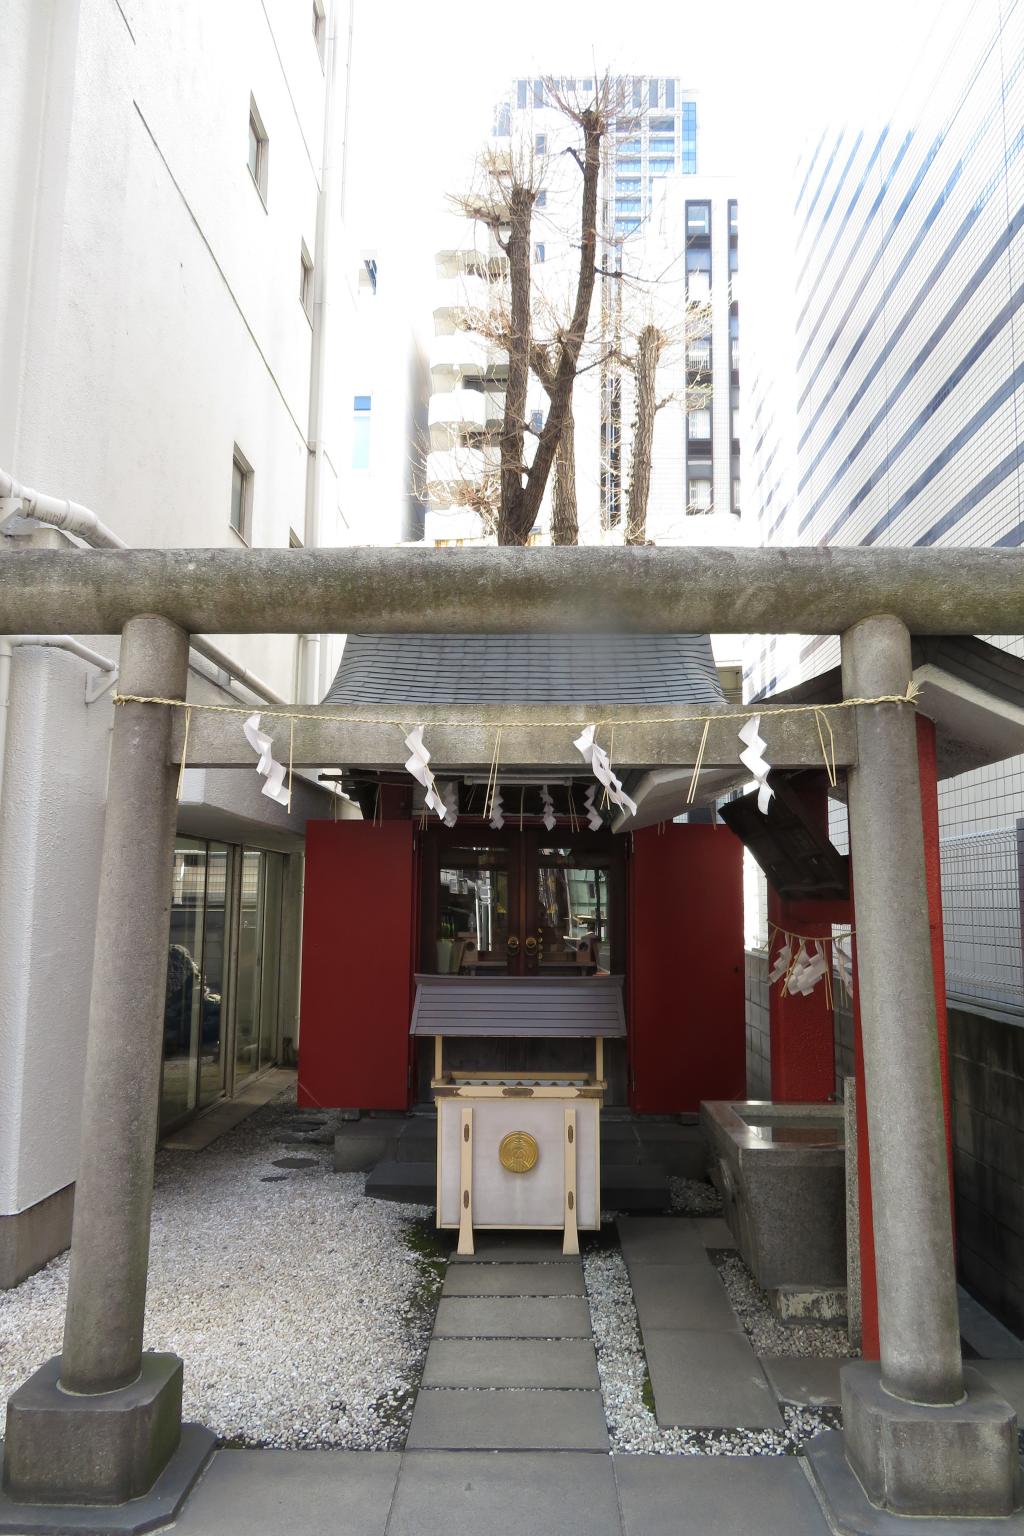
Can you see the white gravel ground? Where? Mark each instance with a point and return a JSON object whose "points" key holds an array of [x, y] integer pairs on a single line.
{"points": [[694, 1197], [632, 1426], [299, 1307], [766, 1333]]}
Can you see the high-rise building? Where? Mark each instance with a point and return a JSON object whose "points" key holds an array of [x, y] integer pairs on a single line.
{"points": [[890, 414]]}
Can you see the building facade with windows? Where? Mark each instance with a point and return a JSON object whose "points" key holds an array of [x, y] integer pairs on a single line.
{"points": [[891, 415], [176, 284]]}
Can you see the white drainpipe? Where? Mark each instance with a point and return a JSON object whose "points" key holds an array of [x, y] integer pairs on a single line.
{"points": [[66, 515], [330, 205], [78, 520]]}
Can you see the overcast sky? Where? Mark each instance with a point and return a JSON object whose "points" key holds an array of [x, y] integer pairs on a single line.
{"points": [[425, 78]]}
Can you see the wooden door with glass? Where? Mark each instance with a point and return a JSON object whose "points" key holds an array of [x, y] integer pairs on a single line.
{"points": [[522, 902]]}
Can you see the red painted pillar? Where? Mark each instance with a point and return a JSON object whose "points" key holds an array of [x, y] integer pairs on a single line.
{"points": [[927, 768], [803, 1028]]}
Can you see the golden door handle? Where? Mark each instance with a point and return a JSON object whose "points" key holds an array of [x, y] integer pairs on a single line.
{"points": [[512, 945], [531, 945]]}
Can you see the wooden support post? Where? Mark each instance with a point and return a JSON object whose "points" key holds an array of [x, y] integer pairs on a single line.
{"points": [[599, 1059], [466, 1181], [571, 1240], [438, 1058]]}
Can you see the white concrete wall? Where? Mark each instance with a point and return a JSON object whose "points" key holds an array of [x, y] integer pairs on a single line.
{"points": [[151, 296], [150, 319], [51, 826]]}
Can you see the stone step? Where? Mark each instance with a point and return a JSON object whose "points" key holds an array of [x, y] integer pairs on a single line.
{"points": [[569, 1363], [624, 1187], [503, 1420], [413, 1183]]}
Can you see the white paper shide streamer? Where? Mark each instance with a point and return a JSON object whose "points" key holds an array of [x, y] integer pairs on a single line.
{"points": [[754, 760], [547, 808], [273, 771], [497, 809], [783, 960], [450, 796], [597, 757], [807, 969], [594, 818], [418, 766]]}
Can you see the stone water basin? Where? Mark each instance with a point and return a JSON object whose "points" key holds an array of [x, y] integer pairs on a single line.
{"points": [[781, 1172]]}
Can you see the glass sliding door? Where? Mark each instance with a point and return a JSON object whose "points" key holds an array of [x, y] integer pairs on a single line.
{"points": [[215, 934], [183, 1000], [270, 981], [258, 963], [248, 976]]}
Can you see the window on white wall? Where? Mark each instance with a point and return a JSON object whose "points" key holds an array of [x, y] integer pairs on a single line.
{"points": [[319, 27], [259, 146], [306, 280], [361, 432], [241, 495]]}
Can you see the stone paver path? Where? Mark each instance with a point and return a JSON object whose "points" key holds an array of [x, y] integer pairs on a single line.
{"points": [[704, 1374], [511, 1364]]}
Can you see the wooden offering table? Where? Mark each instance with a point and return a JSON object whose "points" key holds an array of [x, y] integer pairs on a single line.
{"points": [[518, 1149]]}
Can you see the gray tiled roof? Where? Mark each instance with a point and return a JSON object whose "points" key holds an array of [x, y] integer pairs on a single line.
{"points": [[527, 669], [519, 1007]]}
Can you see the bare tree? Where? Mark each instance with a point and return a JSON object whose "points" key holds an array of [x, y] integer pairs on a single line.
{"points": [[504, 202], [652, 343]]}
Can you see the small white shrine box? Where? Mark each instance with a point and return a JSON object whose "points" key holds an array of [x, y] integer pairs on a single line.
{"points": [[518, 1149]]}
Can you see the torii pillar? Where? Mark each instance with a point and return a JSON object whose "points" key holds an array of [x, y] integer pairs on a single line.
{"points": [[921, 1435], [100, 1424]]}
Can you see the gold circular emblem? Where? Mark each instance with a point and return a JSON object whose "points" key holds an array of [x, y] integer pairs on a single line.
{"points": [[518, 1151]]}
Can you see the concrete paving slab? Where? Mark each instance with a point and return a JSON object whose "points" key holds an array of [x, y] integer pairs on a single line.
{"points": [[512, 1317], [708, 1381], [716, 1496], [630, 1186], [492, 1495], [410, 1183], [714, 1232], [1007, 1378], [262, 1493], [446, 1419], [516, 1248], [679, 1154], [514, 1280], [682, 1296], [660, 1240], [850, 1512], [814, 1382], [511, 1363]]}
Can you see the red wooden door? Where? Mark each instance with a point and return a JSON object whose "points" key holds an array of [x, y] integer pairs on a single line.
{"points": [[686, 1025], [357, 936]]}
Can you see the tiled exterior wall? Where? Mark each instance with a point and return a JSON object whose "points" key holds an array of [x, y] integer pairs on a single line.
{"points": [[759, 1052], [987, 1070]]}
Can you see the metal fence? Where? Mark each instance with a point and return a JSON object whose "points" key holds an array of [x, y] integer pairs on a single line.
{"points": [[981, 912]]}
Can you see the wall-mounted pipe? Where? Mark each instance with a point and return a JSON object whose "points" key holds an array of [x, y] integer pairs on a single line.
{"points": [[68, 516], [72, 518]]}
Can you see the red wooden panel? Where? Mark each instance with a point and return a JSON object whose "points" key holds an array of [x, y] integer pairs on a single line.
{"points": [[357, 965], [687, 1033]]}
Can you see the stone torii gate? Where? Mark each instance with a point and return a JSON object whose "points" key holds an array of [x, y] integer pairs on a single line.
{"points": [[101, 1423]]}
